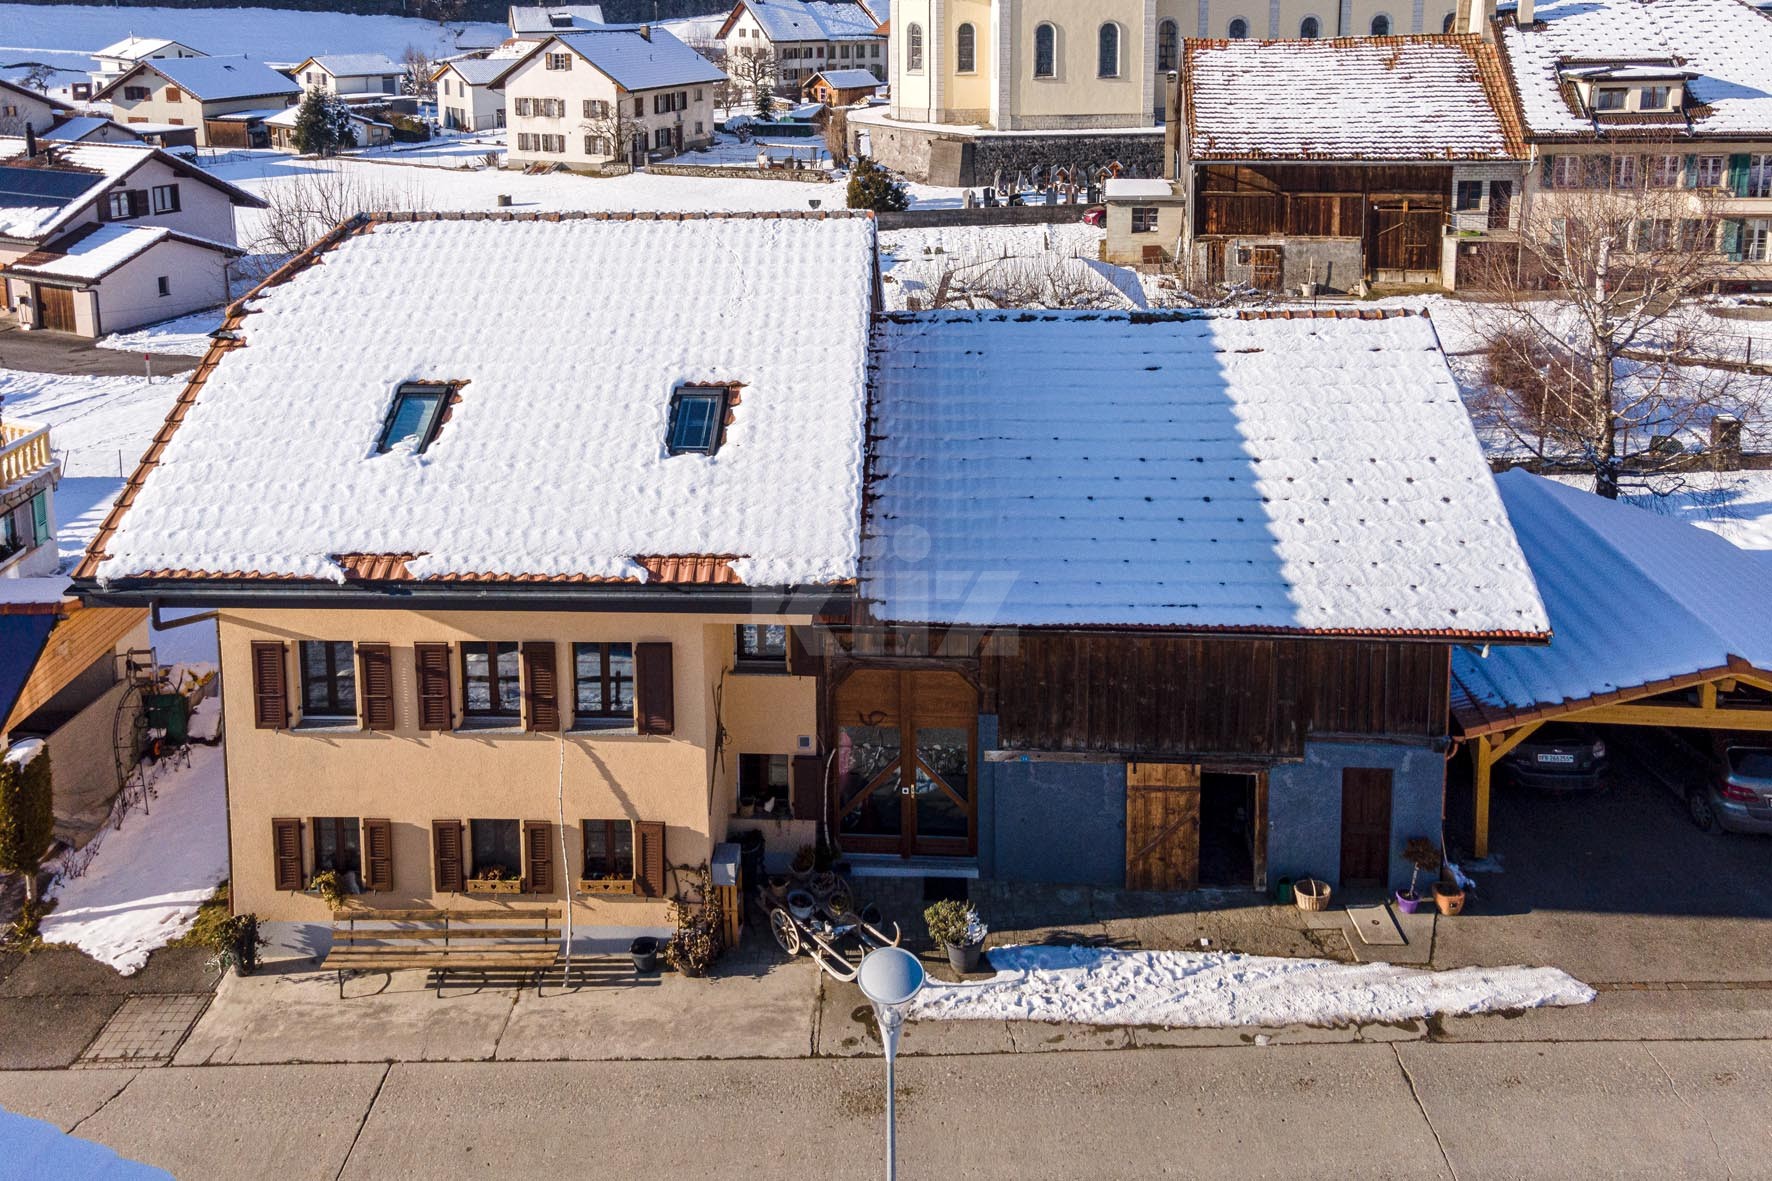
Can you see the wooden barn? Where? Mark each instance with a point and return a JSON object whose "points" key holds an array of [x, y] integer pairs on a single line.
{"points": [[1194, 629], [1372, 178]]}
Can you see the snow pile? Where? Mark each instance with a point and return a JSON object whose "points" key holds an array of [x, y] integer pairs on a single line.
{"points": [[1101, 986], [187, 336], [24, 753], [143, 887]]}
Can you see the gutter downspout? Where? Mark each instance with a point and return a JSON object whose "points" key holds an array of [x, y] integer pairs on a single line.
{"points": [[567, 877]]}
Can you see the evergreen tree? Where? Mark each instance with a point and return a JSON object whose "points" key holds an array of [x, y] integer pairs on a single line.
{"points": [[765, 103], [872, 187], [27, 814], [323, 125]]}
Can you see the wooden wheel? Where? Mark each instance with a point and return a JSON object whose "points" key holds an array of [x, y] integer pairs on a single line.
{"points": [[781, 925]]}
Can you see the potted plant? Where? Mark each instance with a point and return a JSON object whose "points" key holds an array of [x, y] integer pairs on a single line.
{"points": [[1422, 854], [494, 879], [956, 927], [609, 883], [330, 887], [1449, 897], [697, 942], [236, 945]]}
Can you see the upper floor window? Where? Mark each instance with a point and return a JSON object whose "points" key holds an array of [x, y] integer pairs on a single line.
{"points": [[965, 48], [1310, 28], [165, 198], [1168, 39], [328, 679], [1759, 176], [1624, 172], [698, 412], [174, 95], [602, 684], [1238, 29], [559, 61], [913, 48], [135, 94], [1446, 25], [1666, 172], [1107, 51], [1610, 98], [490, 681], [416, 415], [124, 204], [1381, 25], [1709, 172], [1654, 98], [763, 644], [1045, 51]]}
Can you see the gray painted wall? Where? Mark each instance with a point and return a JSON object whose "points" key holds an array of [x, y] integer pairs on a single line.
{"points": [[1304, 806], [1051, 822]]}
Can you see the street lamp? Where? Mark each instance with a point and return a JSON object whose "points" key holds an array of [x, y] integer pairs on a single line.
{"points": [[890, 977]]}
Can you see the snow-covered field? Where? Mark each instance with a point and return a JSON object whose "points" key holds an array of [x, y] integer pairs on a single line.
{"points": [[1101, 986], [144, 885], [266, 34]]}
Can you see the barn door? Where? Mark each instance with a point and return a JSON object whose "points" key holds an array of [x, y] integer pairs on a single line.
{"points": [[1365, 826], [55, 309], [1405, 238], [906, 748], [1265, 267], [1162, 826]]}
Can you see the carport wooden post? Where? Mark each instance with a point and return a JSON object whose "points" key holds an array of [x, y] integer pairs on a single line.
{"points": [[1485, 761]]}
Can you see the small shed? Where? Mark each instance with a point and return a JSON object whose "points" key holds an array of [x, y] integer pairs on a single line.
{"points": [[1145, 222], [1654, 622], [110, 277], [370, 132], [840, 88]]}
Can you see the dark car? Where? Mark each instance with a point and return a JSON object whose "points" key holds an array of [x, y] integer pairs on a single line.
{"points": [[1738, 798], [1559, 757]]}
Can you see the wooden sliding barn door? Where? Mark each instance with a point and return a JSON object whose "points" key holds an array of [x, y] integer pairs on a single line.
{"points": [[1162, 826]]}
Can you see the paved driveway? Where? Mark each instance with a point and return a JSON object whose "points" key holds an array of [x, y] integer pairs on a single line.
{"points": [[57, 352]]}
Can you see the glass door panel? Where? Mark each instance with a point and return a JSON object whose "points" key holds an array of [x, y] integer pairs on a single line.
{"points": [[942, 788], [868, 774]]}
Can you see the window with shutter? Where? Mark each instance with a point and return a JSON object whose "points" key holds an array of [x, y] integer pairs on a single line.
{"points": [[802, 649], [541, 685], [808, 787], [270, 685], [649, 858], [654, 691], [378, 856], [286, 852], [376, 665], [446, 854], [435, 709], [539, 854]]}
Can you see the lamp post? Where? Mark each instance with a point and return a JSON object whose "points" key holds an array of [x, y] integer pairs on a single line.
{"points": [[890, 977]]}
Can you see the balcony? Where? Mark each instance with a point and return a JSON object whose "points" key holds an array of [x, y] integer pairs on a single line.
{"points": [[24, 451]]}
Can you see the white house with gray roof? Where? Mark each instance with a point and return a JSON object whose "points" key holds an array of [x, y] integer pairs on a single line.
{"points": [[351, 75], [807, 36], [467, 100]]}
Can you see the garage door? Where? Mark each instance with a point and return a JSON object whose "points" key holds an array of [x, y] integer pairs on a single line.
{"points": [[55, 308]]}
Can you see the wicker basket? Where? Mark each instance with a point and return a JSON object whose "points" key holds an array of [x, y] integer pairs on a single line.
{"points": [[1311, 894]]}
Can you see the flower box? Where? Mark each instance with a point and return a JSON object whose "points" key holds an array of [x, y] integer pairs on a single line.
{"points": [[482, 886], [605, 885]]}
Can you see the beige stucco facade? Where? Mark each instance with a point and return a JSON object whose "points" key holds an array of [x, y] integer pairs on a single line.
{"points": [[597, 120], [165, 103], [413, 777]]}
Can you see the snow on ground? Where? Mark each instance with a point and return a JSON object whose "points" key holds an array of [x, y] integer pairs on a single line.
{"points": [[268, 34], [1101, 986], [187, 336], [1734, 505], [142, 888]]}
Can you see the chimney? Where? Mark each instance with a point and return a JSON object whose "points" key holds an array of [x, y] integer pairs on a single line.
{"points": [[1725, 443], [1523, 14], [30, 142], [645, 32]]}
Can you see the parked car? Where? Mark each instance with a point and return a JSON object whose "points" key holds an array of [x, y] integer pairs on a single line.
{"points": [[1559, 756], [1738, 797]]}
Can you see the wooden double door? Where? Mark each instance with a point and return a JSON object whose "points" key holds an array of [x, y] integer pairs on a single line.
{"points": [[1188, 826], [906, 759], [55, 309]]}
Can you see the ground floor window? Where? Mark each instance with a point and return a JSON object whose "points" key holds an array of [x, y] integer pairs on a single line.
{"points": [[763, 783], [336, 845], [1144, 219], [1468, 195], [763, 644], [609, 850], [497, 846]]}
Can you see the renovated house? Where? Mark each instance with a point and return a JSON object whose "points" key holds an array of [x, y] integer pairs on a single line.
{"points": [[369, 132], [225, 99], [352, 76], [1406, 148], [537, 21], [840, 88], [22, 107], [466, 97], [97, 238], [488, 602], [806, 36], [122, 56], [619, 93], [1669, 102]]}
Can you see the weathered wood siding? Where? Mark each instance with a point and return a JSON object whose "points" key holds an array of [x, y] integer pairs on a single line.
{"points": [[1313, 200]]}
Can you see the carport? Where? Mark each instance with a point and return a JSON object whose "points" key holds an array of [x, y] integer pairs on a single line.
{"points": [[1653, 623]]}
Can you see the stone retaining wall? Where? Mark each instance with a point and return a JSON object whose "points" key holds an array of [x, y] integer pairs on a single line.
{"points": [[809, 175]]}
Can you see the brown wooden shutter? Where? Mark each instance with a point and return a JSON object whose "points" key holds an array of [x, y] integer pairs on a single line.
{"points": [[446, 852], [803, 651], [806, 787], [435, 709], [378, 856], [375, 666], [286, 850], [270, 685], [540, 854], [541, 684], [649, 858], [654, 694]]}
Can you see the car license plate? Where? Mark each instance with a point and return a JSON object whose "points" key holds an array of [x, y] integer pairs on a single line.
{"points": [[1556, 758]]}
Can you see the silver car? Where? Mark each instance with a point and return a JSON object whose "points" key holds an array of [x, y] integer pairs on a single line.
{"points": [[1739, 798]]}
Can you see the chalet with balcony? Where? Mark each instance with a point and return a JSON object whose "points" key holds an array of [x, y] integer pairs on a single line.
{"points": [[1338, 164]]}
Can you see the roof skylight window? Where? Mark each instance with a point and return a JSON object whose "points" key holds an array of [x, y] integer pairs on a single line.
{"points": [[698, 416], [416, 415]]}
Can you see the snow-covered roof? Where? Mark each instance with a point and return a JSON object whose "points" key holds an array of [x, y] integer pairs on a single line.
{"points": [[1726, 43], [1126, 188], [133, 48], [475, 71], [1271, 472], [40, 194], [535, 19], [213, 79], [288, 116], [809, 20], [94, 250], [54, 104], [350, 65], [80, 126], [552, 463], [1635, 598], [1366, 98], [630, 59], [851, 79]]}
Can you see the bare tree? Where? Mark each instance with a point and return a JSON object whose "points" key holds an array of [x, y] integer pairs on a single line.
{"points": [[1017, 281], [612, 127], [1594, 352], [836, 136], [417, 68], [753, 71], [301, 208]]}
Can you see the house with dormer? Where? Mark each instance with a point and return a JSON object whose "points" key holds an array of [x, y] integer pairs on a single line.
{"points": [[1671, 99], [224, 100]]}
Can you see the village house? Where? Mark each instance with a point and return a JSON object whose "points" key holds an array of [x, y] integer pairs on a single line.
{"points": [[1145, 221], [840, 88], [122, 56], [91, 129], [369, 132], [98, 238], [607, 95], [1670, 102], [806, 36], [22, 107], [1405, 149], [225, 100], [466, 97], [538, 21], [351, 76]]}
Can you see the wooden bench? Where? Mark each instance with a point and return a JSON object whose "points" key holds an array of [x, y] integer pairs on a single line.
{"points": [[522, 939]]}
